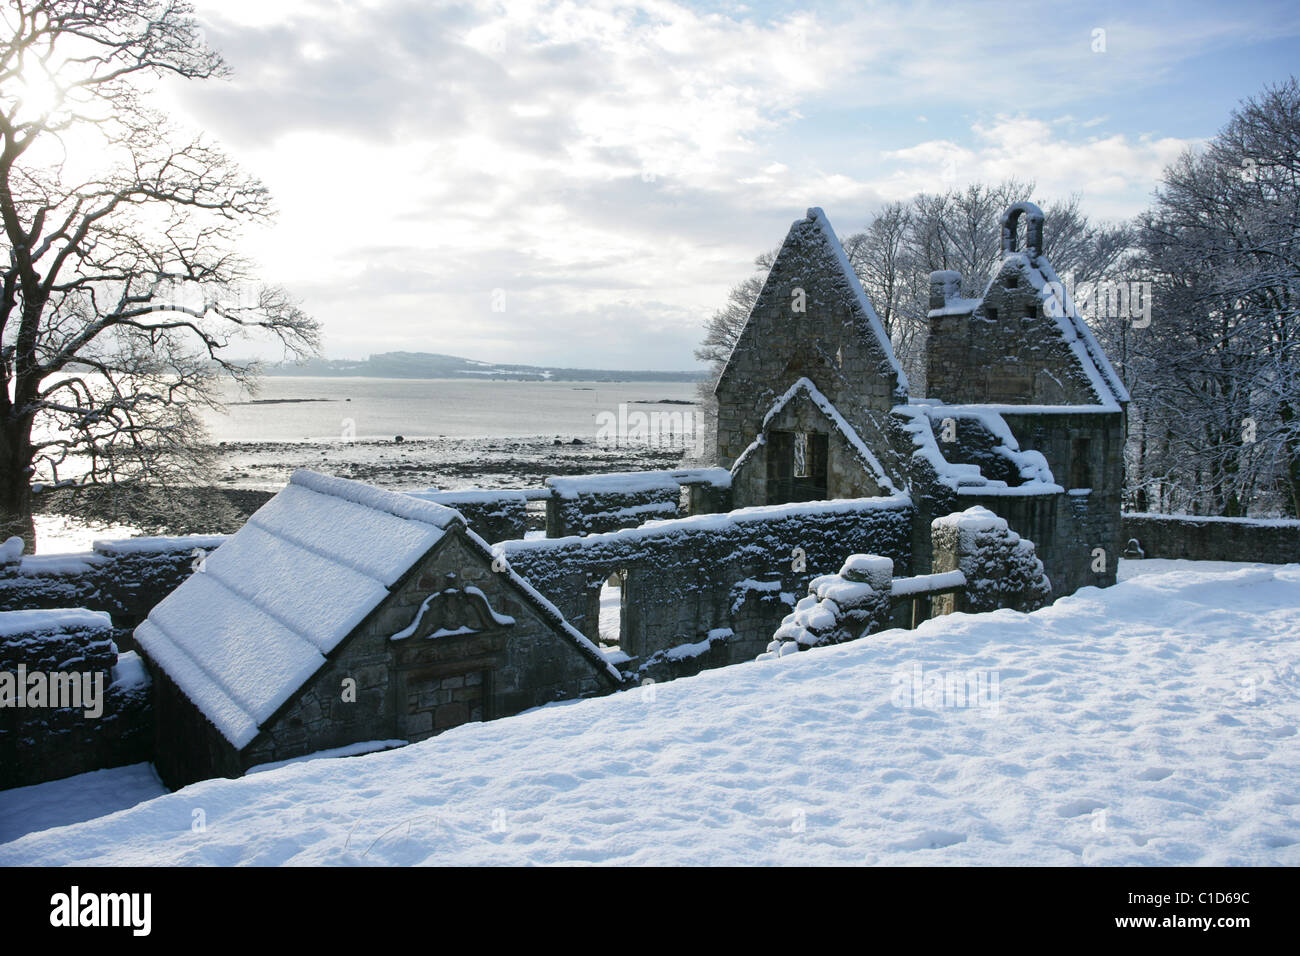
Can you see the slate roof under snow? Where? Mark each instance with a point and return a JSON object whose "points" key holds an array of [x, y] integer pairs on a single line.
{"points": [[243, 634]]}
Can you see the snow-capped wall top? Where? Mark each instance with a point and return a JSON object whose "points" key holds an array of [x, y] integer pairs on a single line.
{"points": [[977, 518], [52, 620], [633, 482], [244, 632], [157, 544]]}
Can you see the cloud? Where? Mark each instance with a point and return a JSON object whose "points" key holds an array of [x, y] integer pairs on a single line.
{"points": [[615, 166], [1115, 172]]}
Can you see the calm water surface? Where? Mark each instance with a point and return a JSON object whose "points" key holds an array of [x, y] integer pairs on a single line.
{"points": [[430, 408]]}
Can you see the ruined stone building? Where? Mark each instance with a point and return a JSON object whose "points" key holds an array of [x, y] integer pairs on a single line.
{"points": [[1025, 415], [343, 614], [346, 617]]}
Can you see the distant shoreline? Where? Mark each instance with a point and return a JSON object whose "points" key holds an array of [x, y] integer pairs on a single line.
{"points": [[631, 378]]}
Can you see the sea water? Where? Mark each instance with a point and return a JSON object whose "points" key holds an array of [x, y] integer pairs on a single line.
{"points": [[326, 409]]}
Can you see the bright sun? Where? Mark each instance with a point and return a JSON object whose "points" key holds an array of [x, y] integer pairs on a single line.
{"points": [[38, 93]]}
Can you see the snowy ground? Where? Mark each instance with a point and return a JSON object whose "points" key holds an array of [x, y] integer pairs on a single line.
{"points": [[74, 799], [1150, 723]]}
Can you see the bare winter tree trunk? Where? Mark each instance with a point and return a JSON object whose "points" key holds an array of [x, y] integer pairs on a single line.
{"points": [[15, 487]]}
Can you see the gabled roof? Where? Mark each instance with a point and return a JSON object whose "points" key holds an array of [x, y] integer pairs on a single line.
{"points": [[246, 631], [869, 461], [256, 621], [1058, 304], [814, 233]]}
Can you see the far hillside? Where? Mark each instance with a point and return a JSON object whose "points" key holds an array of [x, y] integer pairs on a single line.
{"points": [[434, 365]]}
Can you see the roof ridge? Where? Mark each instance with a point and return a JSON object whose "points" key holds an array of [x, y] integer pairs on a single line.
{"points": [[395, 503]]}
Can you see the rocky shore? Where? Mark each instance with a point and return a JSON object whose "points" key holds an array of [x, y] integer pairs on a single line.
{"points": [[249, 473]]}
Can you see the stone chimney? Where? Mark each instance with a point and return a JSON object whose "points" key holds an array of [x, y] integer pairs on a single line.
{"points": [[945, 285]]}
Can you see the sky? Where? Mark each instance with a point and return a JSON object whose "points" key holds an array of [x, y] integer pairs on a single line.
{"points": [[580, 184]]}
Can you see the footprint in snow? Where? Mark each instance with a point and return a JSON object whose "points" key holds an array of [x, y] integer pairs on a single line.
{"points": [[1154, 773], [931, 840], [1077, 808]]}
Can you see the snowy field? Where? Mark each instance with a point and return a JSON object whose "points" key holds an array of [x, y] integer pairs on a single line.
{"points": [[1150, 723]]}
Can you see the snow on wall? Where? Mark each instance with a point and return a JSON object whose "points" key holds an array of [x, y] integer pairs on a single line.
{"points": [[592, 504], [124, 578], [109, 720], [1205, 538], [1058, 305], [682, 574], [497, 515], [630, 482], [859, 294], [1001, 568]]}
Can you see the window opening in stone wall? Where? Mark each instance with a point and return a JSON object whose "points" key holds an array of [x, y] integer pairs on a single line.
{"points": [[783, 485], [1081, 463], [611, 609]]}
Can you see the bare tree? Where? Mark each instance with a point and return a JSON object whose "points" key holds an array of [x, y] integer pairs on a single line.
{"points": [[723, 327], [962, 230], [122, 291], [1222, 247]]}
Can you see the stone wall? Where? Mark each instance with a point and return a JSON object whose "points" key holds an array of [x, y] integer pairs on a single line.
{"points": [[495, 515], [124, 578], [686, 579], [1085, 452], [848, 474], [594, 504], [1004, 349], [807, 322], [39, 743], [1202, 538]]}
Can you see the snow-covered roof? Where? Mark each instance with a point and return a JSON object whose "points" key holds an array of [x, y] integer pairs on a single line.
{"points": [[245, 632], [869, 460], [1058, 304]]}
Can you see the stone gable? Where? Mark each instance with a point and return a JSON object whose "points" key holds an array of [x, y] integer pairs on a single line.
{"points": [[811, 320]]}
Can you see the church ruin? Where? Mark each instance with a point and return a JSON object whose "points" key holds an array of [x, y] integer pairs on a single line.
{"points": [[342, 616]]}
